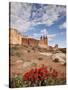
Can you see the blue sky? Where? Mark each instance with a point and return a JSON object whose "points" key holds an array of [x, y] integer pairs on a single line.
{"points": [[34, 20]]}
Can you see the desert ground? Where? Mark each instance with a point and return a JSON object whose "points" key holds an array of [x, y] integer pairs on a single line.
{"points": [[23, 58]]}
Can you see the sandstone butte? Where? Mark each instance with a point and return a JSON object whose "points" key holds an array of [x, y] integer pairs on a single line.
{"points": [[18, 38]]}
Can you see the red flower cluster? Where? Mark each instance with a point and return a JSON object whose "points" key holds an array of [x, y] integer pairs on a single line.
{"points": [[39, 74]]}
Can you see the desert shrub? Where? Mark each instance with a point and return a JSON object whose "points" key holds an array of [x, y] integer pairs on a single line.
{"points": [[39, 49], [25, 46], [18, 54], [33, 48], [15, 48], [64, 64], [28, 51], [34, 64], [56, 60], [40, 58], [16, 82], [14, 53], [50, 81]]}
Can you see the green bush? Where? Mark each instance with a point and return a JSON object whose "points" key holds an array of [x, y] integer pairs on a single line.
{"points": [[34, 64], [18, 82]]}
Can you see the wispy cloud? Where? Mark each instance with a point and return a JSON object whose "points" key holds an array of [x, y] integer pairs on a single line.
{"points": [[63, 26], [44, 32], [19, 16], [48, 14], [25, 15]]}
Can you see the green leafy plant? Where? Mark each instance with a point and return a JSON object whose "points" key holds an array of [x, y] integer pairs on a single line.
{"points": [[34, 64], [16, 82]]}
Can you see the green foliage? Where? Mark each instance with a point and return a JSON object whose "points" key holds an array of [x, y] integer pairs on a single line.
{"points": [[51, 81], [34, 64], [16, 82]]}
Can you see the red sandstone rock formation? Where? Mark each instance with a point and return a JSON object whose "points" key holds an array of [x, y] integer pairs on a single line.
{"points": [[17, 38], [25, 41], [29, 42], [43, 42], [33, 42]]}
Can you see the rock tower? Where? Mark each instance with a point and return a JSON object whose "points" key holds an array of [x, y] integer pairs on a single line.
{"points": [[43, 42]]}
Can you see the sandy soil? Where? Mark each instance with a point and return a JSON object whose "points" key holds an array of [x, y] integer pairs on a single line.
{"points": [[23, 58]]}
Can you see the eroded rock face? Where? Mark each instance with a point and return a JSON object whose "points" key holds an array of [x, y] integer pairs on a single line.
{"points": [[25, 41], [43, 42], [15, 37], [61, 57], [29, 42]]}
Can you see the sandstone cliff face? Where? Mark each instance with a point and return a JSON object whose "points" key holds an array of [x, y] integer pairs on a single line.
{"points": [[25, 41], [29, 42], [33, 42], [15, 37]]}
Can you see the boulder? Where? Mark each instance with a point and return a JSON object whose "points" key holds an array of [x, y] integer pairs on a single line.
{"points": [[61, 57]]}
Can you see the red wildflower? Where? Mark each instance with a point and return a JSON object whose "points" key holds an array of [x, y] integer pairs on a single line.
{"points": [[39, 74]]}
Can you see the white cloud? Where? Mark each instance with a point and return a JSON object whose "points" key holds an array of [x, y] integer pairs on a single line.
{"points": [[21, 13], [49, 14], [44, 32], [22, 26], [63, 26]]}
